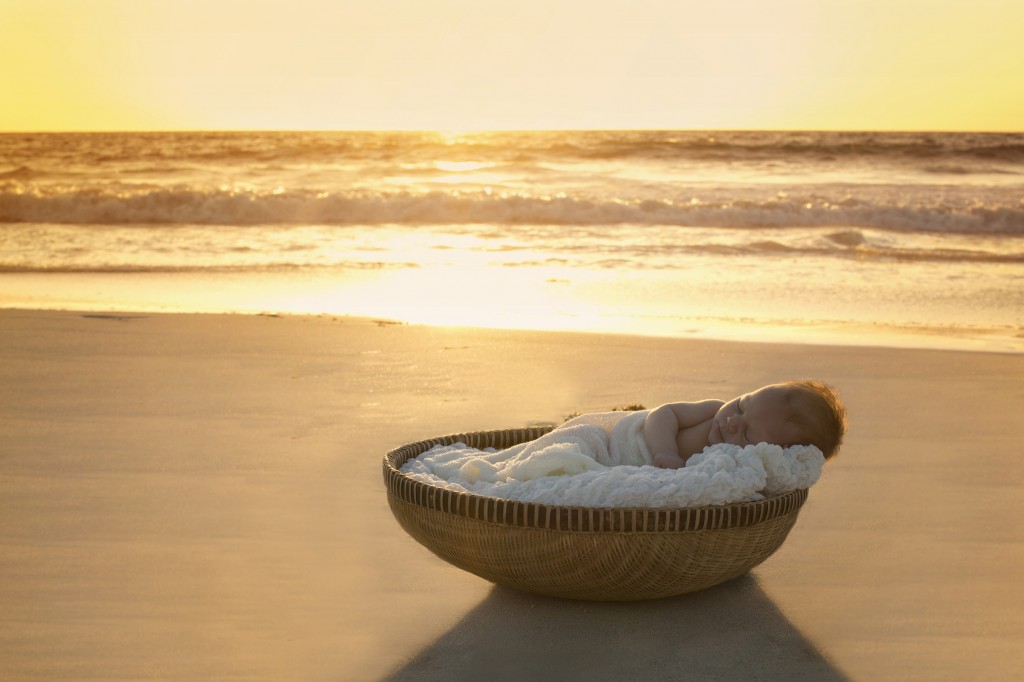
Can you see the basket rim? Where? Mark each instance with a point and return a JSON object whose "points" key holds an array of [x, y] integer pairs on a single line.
{"points": [[567, 518]]}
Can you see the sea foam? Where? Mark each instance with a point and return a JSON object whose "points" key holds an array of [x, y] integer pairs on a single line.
{"points": [[198, 205]]}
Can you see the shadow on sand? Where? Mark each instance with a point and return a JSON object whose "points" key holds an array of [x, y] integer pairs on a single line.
{"points": [[730, 632]]}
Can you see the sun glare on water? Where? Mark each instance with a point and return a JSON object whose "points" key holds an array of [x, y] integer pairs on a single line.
{"points": [[460, 166]]}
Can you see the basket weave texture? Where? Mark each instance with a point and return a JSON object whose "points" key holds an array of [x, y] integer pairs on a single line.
{"points": [[593, 553]]}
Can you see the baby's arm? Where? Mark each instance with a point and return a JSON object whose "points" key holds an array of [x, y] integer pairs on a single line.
{"points": [[662, 426]]}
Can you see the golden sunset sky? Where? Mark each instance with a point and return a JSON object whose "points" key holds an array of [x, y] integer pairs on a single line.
{"points": [[511, 64]]}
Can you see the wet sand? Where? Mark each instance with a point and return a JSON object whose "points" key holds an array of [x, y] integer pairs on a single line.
{"points": [[199, 497]]}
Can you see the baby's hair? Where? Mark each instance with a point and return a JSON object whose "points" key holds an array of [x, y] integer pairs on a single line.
{"points": [[819, 412]]}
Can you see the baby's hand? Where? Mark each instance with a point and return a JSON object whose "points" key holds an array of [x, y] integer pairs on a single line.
{"points": [[668, 460]]}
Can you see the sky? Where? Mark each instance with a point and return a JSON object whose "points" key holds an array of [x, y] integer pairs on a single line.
{"points": [[511, 64]]}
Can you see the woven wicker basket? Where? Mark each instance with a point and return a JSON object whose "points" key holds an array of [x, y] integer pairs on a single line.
{"points": [[601, 554]]}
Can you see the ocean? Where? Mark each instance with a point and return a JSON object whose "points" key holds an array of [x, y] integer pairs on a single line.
{"points": [[912, 239]]}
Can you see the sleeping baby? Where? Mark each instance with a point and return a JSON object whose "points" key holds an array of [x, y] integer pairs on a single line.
{"points": [[767, 442], [791, 413]]}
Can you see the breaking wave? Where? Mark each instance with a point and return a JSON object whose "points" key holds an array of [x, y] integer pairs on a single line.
{"points": [[193, 206]]}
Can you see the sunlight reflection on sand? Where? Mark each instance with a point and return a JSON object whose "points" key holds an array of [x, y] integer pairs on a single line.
{"points": [[479, 295]]}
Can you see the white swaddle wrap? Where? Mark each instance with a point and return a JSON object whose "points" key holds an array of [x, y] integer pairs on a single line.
{"points": [[608, 438], [602, 460]]}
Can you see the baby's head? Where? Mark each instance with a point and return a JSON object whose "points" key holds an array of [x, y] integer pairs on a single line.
{"points": [[790, 413], [818, 412]]}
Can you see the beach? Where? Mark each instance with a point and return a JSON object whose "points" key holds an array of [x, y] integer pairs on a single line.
{"points": [[199, 496]]}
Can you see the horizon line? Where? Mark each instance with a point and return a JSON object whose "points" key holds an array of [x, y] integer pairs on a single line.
{"points": [[467, 131]]}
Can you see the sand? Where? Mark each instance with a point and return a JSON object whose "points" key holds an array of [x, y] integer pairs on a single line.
{"points": [[199, 497]]}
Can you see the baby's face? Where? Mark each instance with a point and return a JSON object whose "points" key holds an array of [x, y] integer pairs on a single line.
{"points": [[758, 417]]}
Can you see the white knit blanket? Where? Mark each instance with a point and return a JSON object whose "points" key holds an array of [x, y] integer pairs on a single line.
{"points": [[601, 460]]}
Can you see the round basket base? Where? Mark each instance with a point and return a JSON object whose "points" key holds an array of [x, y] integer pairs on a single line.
{"points": [[601, 554]]}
